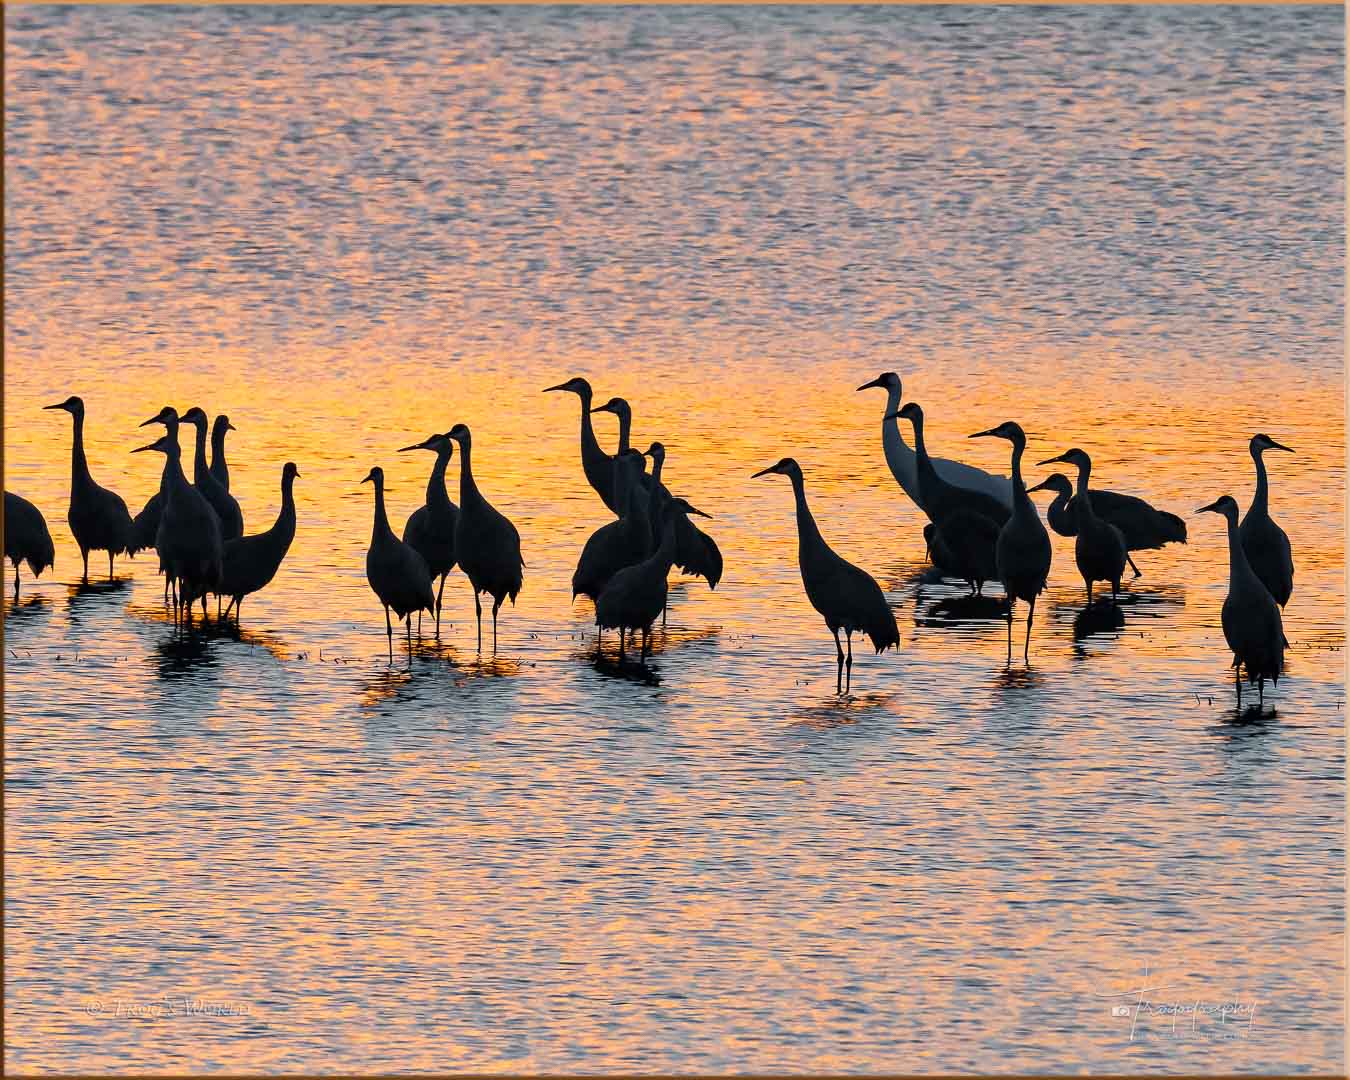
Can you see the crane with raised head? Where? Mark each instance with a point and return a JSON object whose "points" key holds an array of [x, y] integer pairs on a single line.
{"points": [[430, 529], [1266, 544], [397, 574], [1099, 548], [249, 563]]}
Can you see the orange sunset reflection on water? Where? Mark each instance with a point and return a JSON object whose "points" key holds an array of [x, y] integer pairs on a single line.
{"points": [[349, 229]]}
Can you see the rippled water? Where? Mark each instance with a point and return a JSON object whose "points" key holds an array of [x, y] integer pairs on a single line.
{"points": [[351, 227]]}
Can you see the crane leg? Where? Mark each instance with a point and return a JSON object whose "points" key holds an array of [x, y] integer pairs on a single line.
{"points": [[621, 646], [646, 641], [16, 581], [438, 608], [1089, 587], [478, 610], [1026, 645], [389, 630], [84, 554], [496, 606], [1237, 681], [1260, 691], [218, 599], [238, 603], [839, 675], [110, 566], [407, 622], [1010, 615], [663, 616], [848, 662], [1137, 571], [1115, 588]]}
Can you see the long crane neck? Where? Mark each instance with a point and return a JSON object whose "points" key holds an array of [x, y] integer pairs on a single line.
{"points": [[590, 446], [286, 518], [219, 468], [381, 526], [79, 464], [898, 454], [808, 534], [625, 426], [172, 481], [1022, 503], [1261, 500], [469, 494], [436, 492], [1082, 503], [199, 466], [1240, 571]]}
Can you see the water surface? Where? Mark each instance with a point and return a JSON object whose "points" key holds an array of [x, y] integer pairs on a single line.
{"points": [[348, 228]]}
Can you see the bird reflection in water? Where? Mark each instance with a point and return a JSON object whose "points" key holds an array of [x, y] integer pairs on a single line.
{"points": [[838, 711], [1097, 619], [960, 610], [182, 654]]}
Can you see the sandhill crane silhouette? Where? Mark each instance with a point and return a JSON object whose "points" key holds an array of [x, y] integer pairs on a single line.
{"points": [[249, 563], [98, 518], [1265, 543], [430, 529], [1099, 548], [398, 575], [27, 538], [847, 598]]}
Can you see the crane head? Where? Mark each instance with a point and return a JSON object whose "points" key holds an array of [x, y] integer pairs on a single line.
{"points": [[786, 467], [72, 405], [375, 476], [1056, 482], [222, 425], [1265, 442], [166, 416], [657, 452], [460, 434], [910, 411], [679, 506], [163, 444], [435, 443], [1224, 505], [1006, 430], [195, 415], [887, 380], [1075, 457], [615, 405], [577, 385], [289, 471]]}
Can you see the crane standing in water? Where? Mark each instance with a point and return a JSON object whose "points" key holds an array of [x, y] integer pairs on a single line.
{"points": [[966, 522], [1022, 551], [249, 563], [188, 540], [1140, 524], [99, 519], [618, 543], [849, 599], [1099, 549], [636, 595], [903, 461], [430, 529], [222, 502], [27, 538], [1250, 616], [486, 543], [1265, 543], [397, 574]]}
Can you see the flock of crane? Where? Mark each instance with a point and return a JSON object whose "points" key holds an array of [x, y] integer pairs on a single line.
{"points": [[981, 528]]}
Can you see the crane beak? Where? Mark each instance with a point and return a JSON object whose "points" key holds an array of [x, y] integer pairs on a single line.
{"points": [[60, 405], [1051, 461], [297, 473], [892, 415], [700, 513], [140, 449], [560, 386], [1214, 507], [602, 408], [1280, 446], [1039, 487], [869, 385], [231, 427], [982, 434], [143, 423], [405, 449], [765, 472]]}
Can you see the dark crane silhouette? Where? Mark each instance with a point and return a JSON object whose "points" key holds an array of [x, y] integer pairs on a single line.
{"points": [[1142, 526], [430, 529], [188, 541], [222, 502], [1265, 543], [98, 518], [219, 468], [486, 543], [636, 594], [966, 522], [397, 574], [618, 543], [595, 463], [27, 538], [1250, 616], [1022, 551], [251, 562], [1099, 547], [848, 598]]}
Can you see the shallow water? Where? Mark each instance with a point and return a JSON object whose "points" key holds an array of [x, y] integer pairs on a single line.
{"points": [[349, 228]]}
